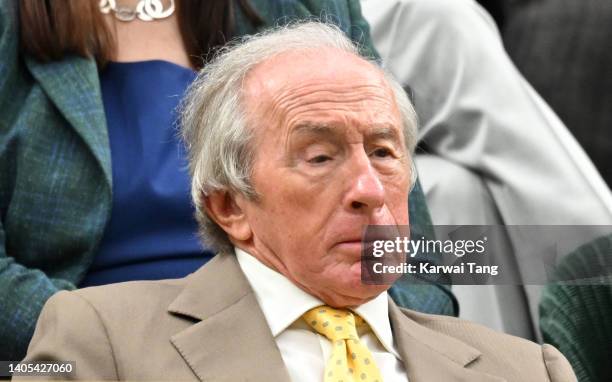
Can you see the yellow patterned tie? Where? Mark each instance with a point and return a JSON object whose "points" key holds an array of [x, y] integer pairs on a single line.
{"points": [[350, 359]]}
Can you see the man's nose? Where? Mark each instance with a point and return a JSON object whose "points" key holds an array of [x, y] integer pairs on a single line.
{"points": [[366, 190]]}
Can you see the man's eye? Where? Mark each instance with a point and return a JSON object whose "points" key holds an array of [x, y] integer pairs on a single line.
{"points": [[319, 159], [382, 153]]}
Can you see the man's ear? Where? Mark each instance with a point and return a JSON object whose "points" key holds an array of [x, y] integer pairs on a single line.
{"points": [[222, 207]]}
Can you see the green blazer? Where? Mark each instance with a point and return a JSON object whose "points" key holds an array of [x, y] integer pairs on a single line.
{"points": [[55, 170]]}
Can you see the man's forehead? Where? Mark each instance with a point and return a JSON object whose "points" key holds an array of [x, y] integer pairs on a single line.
{"points": [[328, 87], [378, 131], [299, 68]]}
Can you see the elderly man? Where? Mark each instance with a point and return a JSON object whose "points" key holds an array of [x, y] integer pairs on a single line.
{"points": [[296, 143]]}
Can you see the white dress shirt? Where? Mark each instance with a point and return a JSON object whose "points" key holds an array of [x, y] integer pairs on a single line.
{"points": [[304, 351]]}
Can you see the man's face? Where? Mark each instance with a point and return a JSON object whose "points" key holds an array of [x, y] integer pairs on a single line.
{"points": [[329, 160]]}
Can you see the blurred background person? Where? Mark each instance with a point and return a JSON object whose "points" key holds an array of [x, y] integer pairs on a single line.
{"points": [[564, 49], [488, 142]]}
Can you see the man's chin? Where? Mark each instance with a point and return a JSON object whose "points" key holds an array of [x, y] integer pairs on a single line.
{"points": [[356, 295], [343, 290]]}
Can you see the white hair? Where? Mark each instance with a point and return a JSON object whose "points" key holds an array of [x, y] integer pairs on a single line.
{"points": [[213, 115]]}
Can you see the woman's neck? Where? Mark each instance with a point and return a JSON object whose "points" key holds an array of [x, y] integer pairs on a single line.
{"points": [[139, 40]]}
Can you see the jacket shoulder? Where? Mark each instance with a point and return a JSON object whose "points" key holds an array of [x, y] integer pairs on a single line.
{"points": [[147, 295], [467, 331], [9, 36], [514, 356], [120, 319], [8, 16], [15, 83]]}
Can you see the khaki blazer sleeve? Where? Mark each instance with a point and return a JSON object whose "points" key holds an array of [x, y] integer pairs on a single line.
{"points": [[70, 329], [557, 366]]}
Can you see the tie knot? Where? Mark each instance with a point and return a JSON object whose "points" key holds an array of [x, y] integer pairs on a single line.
{"points": [[335, 324]]}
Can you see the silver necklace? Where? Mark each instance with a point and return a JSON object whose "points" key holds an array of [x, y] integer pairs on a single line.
{"points": [[146, 10]]}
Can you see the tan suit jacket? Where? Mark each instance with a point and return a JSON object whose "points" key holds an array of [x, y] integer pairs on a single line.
{"points": [[209, 327]]}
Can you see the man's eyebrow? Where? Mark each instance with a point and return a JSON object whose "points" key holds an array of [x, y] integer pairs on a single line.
{"points": [[377, 132], [315, 128], [385, 133]]}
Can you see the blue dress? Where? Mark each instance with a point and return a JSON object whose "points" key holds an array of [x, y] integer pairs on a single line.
{"points": [[152, 233]]}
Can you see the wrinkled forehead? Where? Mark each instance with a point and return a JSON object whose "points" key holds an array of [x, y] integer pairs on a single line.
{"points": [[295, 83], [310, 65]]}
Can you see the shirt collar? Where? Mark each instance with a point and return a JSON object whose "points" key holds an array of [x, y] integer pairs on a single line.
{"points": [[282, 302]]}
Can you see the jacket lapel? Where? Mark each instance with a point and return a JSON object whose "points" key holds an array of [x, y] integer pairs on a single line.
{"points": [[432, 356], [230, 340], [73, 86]]}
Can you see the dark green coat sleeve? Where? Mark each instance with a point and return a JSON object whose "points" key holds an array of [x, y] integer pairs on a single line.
{"points": [[23, 291]]}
